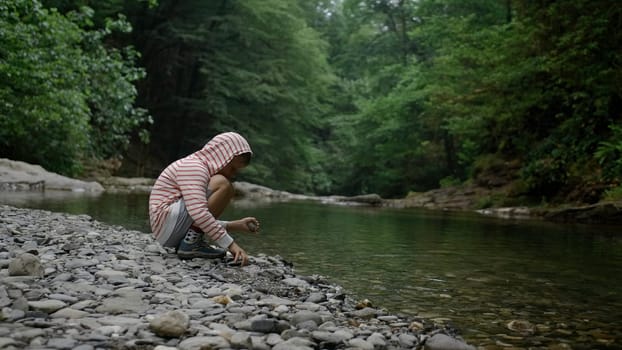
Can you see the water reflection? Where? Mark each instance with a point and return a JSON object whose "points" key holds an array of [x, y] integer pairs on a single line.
{"points": [[128, 210], [475, 273]]}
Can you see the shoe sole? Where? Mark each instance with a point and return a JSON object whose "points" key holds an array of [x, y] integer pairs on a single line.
{"points": [[187, 256]]}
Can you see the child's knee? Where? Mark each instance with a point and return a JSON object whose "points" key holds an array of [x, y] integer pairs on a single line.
{"points": [[219, 183]]}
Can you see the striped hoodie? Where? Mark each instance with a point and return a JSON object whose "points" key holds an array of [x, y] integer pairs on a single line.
{"points": [[188, 178]]}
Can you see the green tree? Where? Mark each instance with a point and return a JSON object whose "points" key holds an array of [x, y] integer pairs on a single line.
{"points": [[393, 60], [577, 44], [528, 81], [58, 107], [250, 66]]}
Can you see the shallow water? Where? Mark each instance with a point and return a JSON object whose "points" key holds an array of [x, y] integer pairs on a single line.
{"points": [[472, 272]]}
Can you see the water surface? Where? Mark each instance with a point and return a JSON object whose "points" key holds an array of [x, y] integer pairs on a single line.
{"points": [[472, 272]]}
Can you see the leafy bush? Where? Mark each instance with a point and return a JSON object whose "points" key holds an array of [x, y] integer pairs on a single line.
{"points": [[449, 181], [614, 194], [64, 95], [609, 153]]}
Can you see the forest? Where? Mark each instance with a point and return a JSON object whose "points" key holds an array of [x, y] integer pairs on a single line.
{"points": [[335, 96]]}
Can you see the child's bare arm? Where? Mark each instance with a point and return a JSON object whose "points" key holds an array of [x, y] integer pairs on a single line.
{"points": [[247, 224]]}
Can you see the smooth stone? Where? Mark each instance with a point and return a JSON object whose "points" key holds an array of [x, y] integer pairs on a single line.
{"points": [[61, 343], [127, 303], [241, 340], [69, 313], [388, 318], [157, 279], [206, 304], [20, 303], [377, 340], [63, 277], [305, 315], [273, 339], [170, 324], [77, 263], [8, 342], [118, 320], [281, 309], [26, 264], [309, 325], [259, 343], [4, 263], [63, 297], [296, 282], [295, 344], [275, 301], [264, 326], [408, 340], [83, 304], [28, 334], [316, 297], [222, 330], [80, 287], [444, 342], [48, 306], [89, 323], [365, 313], [361, 344], [328, 326], [309, 306], [201, 343], [294, 333], [84, 347], [110, 330], [333, 337]]}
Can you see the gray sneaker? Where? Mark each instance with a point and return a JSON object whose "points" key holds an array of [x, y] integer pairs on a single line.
{"points": [[199, 249]]}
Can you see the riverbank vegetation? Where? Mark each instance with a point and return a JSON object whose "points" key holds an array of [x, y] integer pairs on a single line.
{"points": [[336, 97]]}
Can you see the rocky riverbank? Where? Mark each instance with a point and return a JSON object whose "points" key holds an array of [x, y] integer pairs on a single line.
{"points": [[69, 282]]}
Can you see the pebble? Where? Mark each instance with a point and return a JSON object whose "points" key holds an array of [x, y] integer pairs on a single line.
{"points": [[70, 282]]}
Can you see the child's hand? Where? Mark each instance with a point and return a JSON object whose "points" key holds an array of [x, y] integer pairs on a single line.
{"points": [[248, 224], [239, 255], [251, 224]]}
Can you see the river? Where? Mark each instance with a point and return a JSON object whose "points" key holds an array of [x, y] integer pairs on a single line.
{"points": [[559, 283]]}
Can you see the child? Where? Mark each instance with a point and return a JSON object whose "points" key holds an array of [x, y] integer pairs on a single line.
{"points": [[192, 192]]}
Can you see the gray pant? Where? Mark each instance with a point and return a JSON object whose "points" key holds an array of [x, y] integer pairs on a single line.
{"points": [[176, 226], [178, 223]]}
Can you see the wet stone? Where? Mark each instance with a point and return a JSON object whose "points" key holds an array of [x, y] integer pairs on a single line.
{"points": [[444, 342]]}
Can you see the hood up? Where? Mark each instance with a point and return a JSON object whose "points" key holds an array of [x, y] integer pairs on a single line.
{"points": [[220, 150]]}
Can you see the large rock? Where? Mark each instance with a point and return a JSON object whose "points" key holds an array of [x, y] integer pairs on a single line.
{"points": [[116, 184], [170, 324], [252, 191], [26, 265], [16, 175]]}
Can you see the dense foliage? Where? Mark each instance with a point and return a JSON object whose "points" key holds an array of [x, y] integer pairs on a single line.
{"points": [[250, 66], [64, 96], [350, 96], [446, 88]]}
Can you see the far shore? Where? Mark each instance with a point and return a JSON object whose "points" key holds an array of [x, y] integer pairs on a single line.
{"points": [[20, 176]]}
